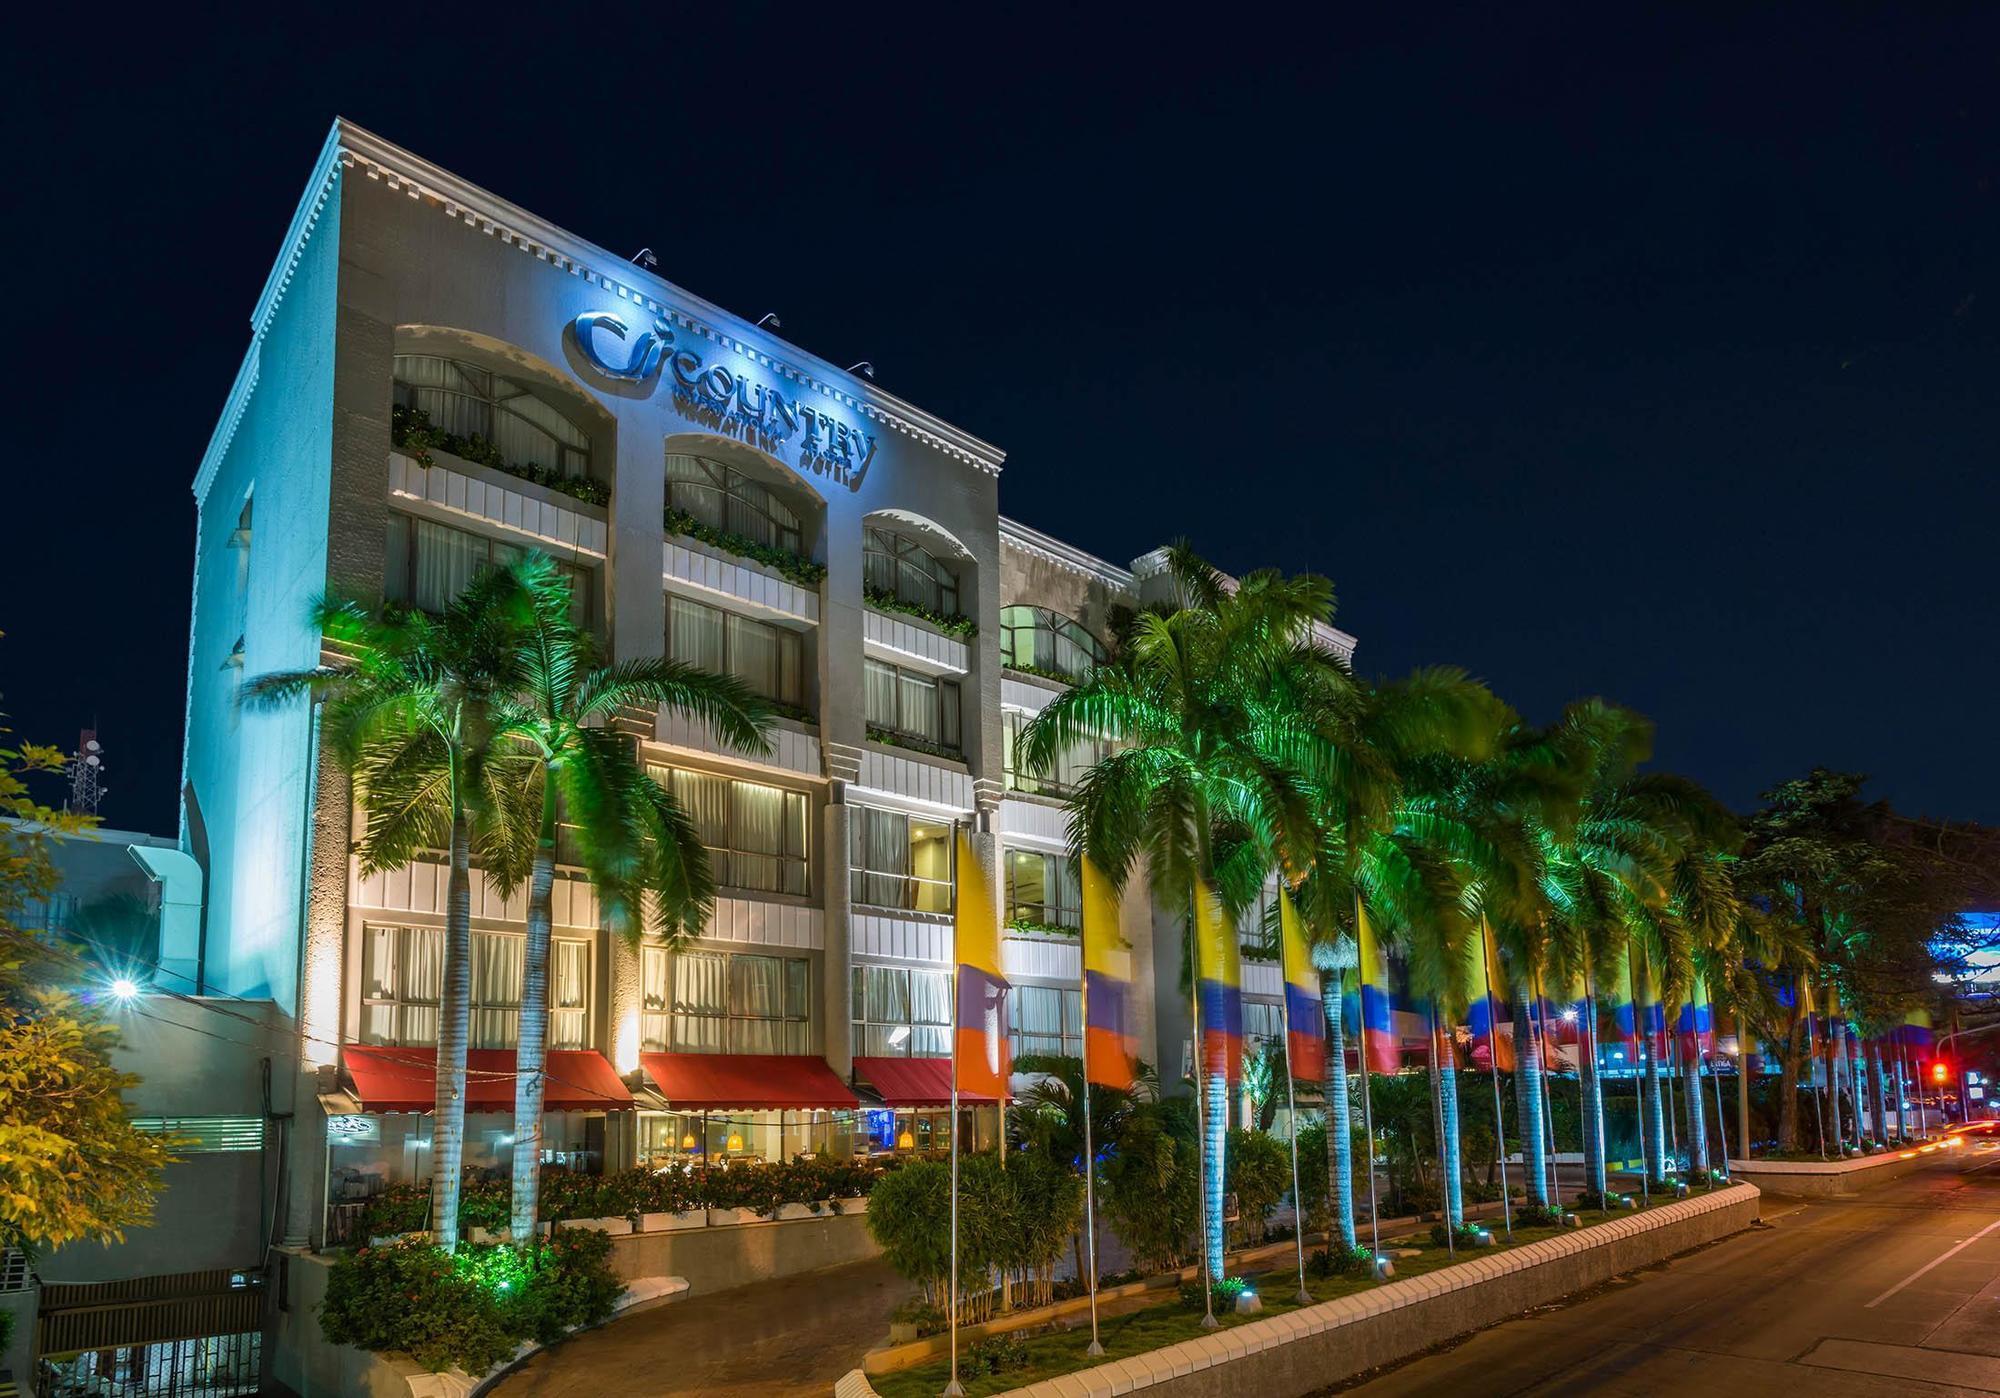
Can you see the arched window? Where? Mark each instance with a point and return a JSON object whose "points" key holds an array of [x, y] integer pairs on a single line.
{"points": [[1043, 642], [904, 569], [466, 401], [725, 498]]}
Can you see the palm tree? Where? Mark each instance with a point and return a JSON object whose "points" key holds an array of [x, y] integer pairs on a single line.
{"points": [[1212, 778], [639, 847], [409, 707], [1333, 958]]}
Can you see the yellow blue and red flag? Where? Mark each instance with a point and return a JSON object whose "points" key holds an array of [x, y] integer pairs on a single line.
{"points": [[1696, 1027], [1486, 1006], [1219, 985], [1381, 1049], [979, 1043], [1305, 1021], [1110, 1048]]}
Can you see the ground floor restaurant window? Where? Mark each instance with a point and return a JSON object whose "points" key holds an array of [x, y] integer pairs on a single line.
{"points": [[367, 1153], [720, 1138], [914, 1131]]}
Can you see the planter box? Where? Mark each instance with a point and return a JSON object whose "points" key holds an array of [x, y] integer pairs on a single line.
{"points": [[616, 1227], [722, 1218], [670, 1223], [787, 1212]]}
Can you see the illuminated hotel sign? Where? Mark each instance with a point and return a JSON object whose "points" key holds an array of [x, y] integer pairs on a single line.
{"points": [[728, 400]]}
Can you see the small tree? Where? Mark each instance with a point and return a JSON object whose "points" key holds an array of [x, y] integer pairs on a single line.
{"points": [[1152, 1183], [1259, 1173]]}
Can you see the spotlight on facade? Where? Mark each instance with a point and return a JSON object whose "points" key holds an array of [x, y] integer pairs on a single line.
{"points": [[770, 318], [862, 366]]}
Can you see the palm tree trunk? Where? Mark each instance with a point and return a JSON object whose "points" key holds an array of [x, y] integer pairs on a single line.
{"points": [[1528, 1104], [1656, 1116], [454, 1029], [1788, 1094], [1593, 1102], [1836, 1050], [1697, 1119], [532, 1046], [1339, 1121], [1876, 1094], [1449, 1163], [1215, 1127]]}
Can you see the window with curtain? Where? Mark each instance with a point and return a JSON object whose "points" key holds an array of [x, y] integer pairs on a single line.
{"points": [[755, 834], [1070, 764], [468, 401], [723, 497], [769, 659], [1045, 1019], [1043, 891], [403, 971], [1263, 1022], [1047, 643], [904, 568], [655, 1022], [731, 1003], [900, 861], [429, 564], [912, 704], [899, 1012]]}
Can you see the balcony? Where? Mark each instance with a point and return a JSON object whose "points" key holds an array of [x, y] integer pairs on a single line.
{"points": [[794, 745], [901, 641], [692, 567], [540, 515]]}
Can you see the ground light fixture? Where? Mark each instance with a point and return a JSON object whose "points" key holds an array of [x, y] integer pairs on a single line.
{"points": [[124, 990]]}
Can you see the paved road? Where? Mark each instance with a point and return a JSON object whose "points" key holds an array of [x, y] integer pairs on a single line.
{"points": [[1896, 1292], [791, 1336]]}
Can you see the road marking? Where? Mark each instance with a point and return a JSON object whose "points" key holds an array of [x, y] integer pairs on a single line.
{"points": [[1936, 1261]]}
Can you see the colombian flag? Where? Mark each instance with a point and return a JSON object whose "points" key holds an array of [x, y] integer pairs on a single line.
{"points": [[1219, 965], [1696, 1028], [979, 1045], [1305, 1021], [1564, 1016], [1381, 1050], [1623, 1015], [1492, 1030], [1652, 1014], [1109, 1048], [1915, 1030]]}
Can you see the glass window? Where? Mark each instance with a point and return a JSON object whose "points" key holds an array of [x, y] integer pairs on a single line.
{"points": [[403, 970], [900, 1013], [711, 1002], [912, 705], [1047, 643], [901, 861], [1263, 1022], [767, 658], [467, 401], [900, 567], [1043, 892], [724, 498], [1045, 1019], [1069, 768], [755, 834], [429, 564]]}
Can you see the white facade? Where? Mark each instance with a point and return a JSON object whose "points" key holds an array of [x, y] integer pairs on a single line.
{"points": [[401, 287]]}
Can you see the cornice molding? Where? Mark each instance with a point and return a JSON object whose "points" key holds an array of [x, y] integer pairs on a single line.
{"points": [[1014, 534], [404, 172]]}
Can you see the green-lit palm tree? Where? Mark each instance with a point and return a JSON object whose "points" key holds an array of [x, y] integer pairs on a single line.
{"points": [[409, 708], [1215, 760], [637, 844]]}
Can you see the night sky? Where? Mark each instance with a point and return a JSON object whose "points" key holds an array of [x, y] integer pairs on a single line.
{"points": [[1658, 362]]}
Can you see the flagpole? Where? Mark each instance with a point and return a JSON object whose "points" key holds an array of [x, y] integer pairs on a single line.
{"points": [[1493, 1071], [1292, 1109], [952, 1388], [1638, 1080], [1367, 1110], [1208, 1320], [1089, 1166]]}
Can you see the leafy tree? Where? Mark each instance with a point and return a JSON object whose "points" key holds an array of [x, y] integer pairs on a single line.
{"points": [[71, 1166], [1259, 1175], [1151, 1184]]}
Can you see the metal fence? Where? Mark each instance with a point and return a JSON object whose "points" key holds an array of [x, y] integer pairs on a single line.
{"points": [[210, 1366]]}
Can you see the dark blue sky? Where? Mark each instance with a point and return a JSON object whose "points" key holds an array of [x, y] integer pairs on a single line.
{"points": [[1658, 360]]}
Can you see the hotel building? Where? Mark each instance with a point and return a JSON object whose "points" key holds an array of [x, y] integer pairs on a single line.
{"points": [[438, 380]]}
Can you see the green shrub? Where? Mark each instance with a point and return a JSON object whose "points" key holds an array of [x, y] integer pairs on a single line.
{"points": [[792, 566], [1463, 1236], [1257, 1169], [1001, 1354], [1151, 1190], [952, 623], [411, 430], [1226, 1290], [1342, 1262], [470, 1309]]}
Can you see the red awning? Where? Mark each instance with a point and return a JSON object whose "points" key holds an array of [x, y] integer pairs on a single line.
{"points": [[405, 1080], [914, 1082], [696, 1082]]}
